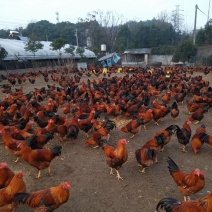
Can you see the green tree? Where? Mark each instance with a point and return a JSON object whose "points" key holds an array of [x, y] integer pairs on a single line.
{"points": [[81, 51], [57, 44], [3, 53], [201, 37], [33, 45], [185, 51]]}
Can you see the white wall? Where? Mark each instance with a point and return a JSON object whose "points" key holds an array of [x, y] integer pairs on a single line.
{"points": [[165, 59]]}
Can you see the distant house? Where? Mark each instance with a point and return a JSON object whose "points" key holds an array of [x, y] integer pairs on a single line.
{"points": [[109, 60], [136, 56]]}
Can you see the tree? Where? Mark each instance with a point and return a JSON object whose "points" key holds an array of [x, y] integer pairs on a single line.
{"points": [[201, 37], [32, 45], [70, 50], [57, 44], [185, 51], [81, 51], [3, 53]]}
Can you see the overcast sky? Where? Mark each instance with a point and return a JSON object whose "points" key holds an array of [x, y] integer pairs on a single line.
{"points": [[19, 13]]}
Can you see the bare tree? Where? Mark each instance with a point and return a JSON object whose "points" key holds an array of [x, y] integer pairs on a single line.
{"points": [[163, 16]]}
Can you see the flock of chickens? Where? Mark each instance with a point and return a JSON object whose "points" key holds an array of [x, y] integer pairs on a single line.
{"points": [[28, 121]]}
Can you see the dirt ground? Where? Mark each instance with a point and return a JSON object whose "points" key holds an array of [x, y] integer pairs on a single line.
{"points": [[93, 189]]}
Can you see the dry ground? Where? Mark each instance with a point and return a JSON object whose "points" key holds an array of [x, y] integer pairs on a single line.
{"points": [[93, 189]]}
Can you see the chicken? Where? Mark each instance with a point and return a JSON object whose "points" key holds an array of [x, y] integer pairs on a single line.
{"points": [[166, 97], [200, 129], [155, 143], [133, 126], [199, 114], [72, 132], [167, 132], [47, 199], [49, 128], [188, 184], [172, 205], [39, 158], [145, 157], [192, 106], [179, 97], [147, 116], [158, 114], [10, 144], [7, 194], [84, 124], [116, 156], [174, 110], [41, 119], [66, 109], [38, 141], [6, 175], [184, 134], [99, 138]]}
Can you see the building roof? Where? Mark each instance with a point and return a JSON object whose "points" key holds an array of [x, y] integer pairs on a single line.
{"points": [[16, 51], [138, 51], [106, 56]]}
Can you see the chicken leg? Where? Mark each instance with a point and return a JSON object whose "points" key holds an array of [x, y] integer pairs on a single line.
{"points": [[118, 175], [39, 174]]}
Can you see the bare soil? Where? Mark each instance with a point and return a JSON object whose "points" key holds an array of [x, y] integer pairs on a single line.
{"points": [[93, 189]]}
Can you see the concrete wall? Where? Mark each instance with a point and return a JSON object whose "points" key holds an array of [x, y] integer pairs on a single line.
{"points": [[165, 59]]}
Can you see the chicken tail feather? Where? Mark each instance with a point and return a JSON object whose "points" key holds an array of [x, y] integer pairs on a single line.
{"points": [[172, 166], [21, 198], [167, 204]]}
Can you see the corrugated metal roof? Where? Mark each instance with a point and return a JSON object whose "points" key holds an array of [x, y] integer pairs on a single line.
{"points": [[138, 51], [106, 56], [15, 49]]}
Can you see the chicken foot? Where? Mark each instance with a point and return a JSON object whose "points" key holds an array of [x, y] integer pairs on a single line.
{"points": [[118, 175], [183, 148]]}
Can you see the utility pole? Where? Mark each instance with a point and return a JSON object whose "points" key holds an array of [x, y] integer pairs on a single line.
{"points": [[195, 25], [209, 11], [76, 36]]}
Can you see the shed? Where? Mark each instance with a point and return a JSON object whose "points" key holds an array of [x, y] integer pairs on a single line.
{"points": [[109, 60], [137, 55]]}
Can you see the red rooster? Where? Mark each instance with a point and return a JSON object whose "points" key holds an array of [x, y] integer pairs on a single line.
{"points": [[47, 199], [187, 183], [116, 156]]}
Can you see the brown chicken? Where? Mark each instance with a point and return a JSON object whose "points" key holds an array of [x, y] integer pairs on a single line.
{"points": [[172, 205], [6, 175], [47, 199], [158, 114], [147, 116], [166, 97], [133, 126], [192, 106], [16, 185], [198, 115], [116, 156], [66, 109], [49, 128], [167, 132], [145, 157], [10, 144], [39, 158], [174, 111], [99, 138], [38, 141], [188, 184], [84, 124]]}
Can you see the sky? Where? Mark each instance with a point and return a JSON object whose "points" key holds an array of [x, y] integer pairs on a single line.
{"points": [[15, 14]]}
